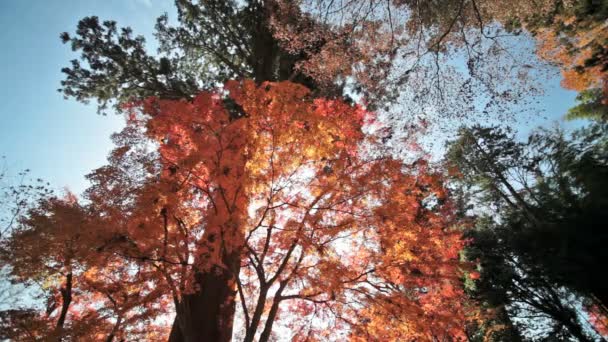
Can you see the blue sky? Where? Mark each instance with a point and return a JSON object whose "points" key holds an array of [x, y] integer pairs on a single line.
{"points": [[62, 140], [59, 140]]}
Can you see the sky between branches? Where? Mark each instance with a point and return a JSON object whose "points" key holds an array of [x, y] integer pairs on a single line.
{"points": [[62, 140]]}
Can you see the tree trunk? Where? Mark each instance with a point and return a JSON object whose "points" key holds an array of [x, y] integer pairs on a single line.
{"points": [[208, 313], [257, 315], [112, 334], [66, 298], [266, 55], [274, 309]]}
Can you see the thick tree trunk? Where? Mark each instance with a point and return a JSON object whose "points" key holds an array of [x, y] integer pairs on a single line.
{"points": [[510, 331], [208, 313], [265, 57]]}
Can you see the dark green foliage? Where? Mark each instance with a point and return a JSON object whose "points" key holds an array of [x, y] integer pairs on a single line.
{"points": [[541, 232], [117, 67], [214, 41]]}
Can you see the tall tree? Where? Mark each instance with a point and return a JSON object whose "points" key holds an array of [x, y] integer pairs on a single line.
{"points": [[545, 243], [272, 40], [287, 207], [214, 41]]}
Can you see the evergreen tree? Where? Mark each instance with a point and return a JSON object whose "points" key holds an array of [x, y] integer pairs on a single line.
{"points": [[540, 233]]}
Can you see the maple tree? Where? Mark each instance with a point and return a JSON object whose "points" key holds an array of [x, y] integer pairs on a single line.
{"points": [[579, 53], [258, 195], [86, 294], [404, 52], [275, 205], [386, 46]]}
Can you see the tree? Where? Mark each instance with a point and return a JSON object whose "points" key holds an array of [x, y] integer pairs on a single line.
{"points": [[214, 42], [590, 106], [573, 36], [180, 211], [446, 61], [18, 194], [53, 248], [385, 45], [406, 50], [288, 207], [545, 243]]}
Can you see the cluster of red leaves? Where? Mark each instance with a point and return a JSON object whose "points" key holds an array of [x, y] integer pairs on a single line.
{"points": [[331, 241], [598, 319]]}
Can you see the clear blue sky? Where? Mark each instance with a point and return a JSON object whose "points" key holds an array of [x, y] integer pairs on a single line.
{"points": [[61, 140]]}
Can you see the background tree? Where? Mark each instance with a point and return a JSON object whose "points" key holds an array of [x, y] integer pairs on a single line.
{"points": [[87, 295], [573, 35], [18, 193], [590, 106], [214, 41], [440, 59], [541, 248]]}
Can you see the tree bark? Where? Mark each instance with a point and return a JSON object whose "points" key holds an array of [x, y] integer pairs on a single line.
{"points": [[66, 298], [208, 313]]}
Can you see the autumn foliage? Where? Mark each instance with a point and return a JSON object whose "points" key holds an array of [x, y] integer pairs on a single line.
{"points": [[275, 200], [572, 54], [276, 205]]}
